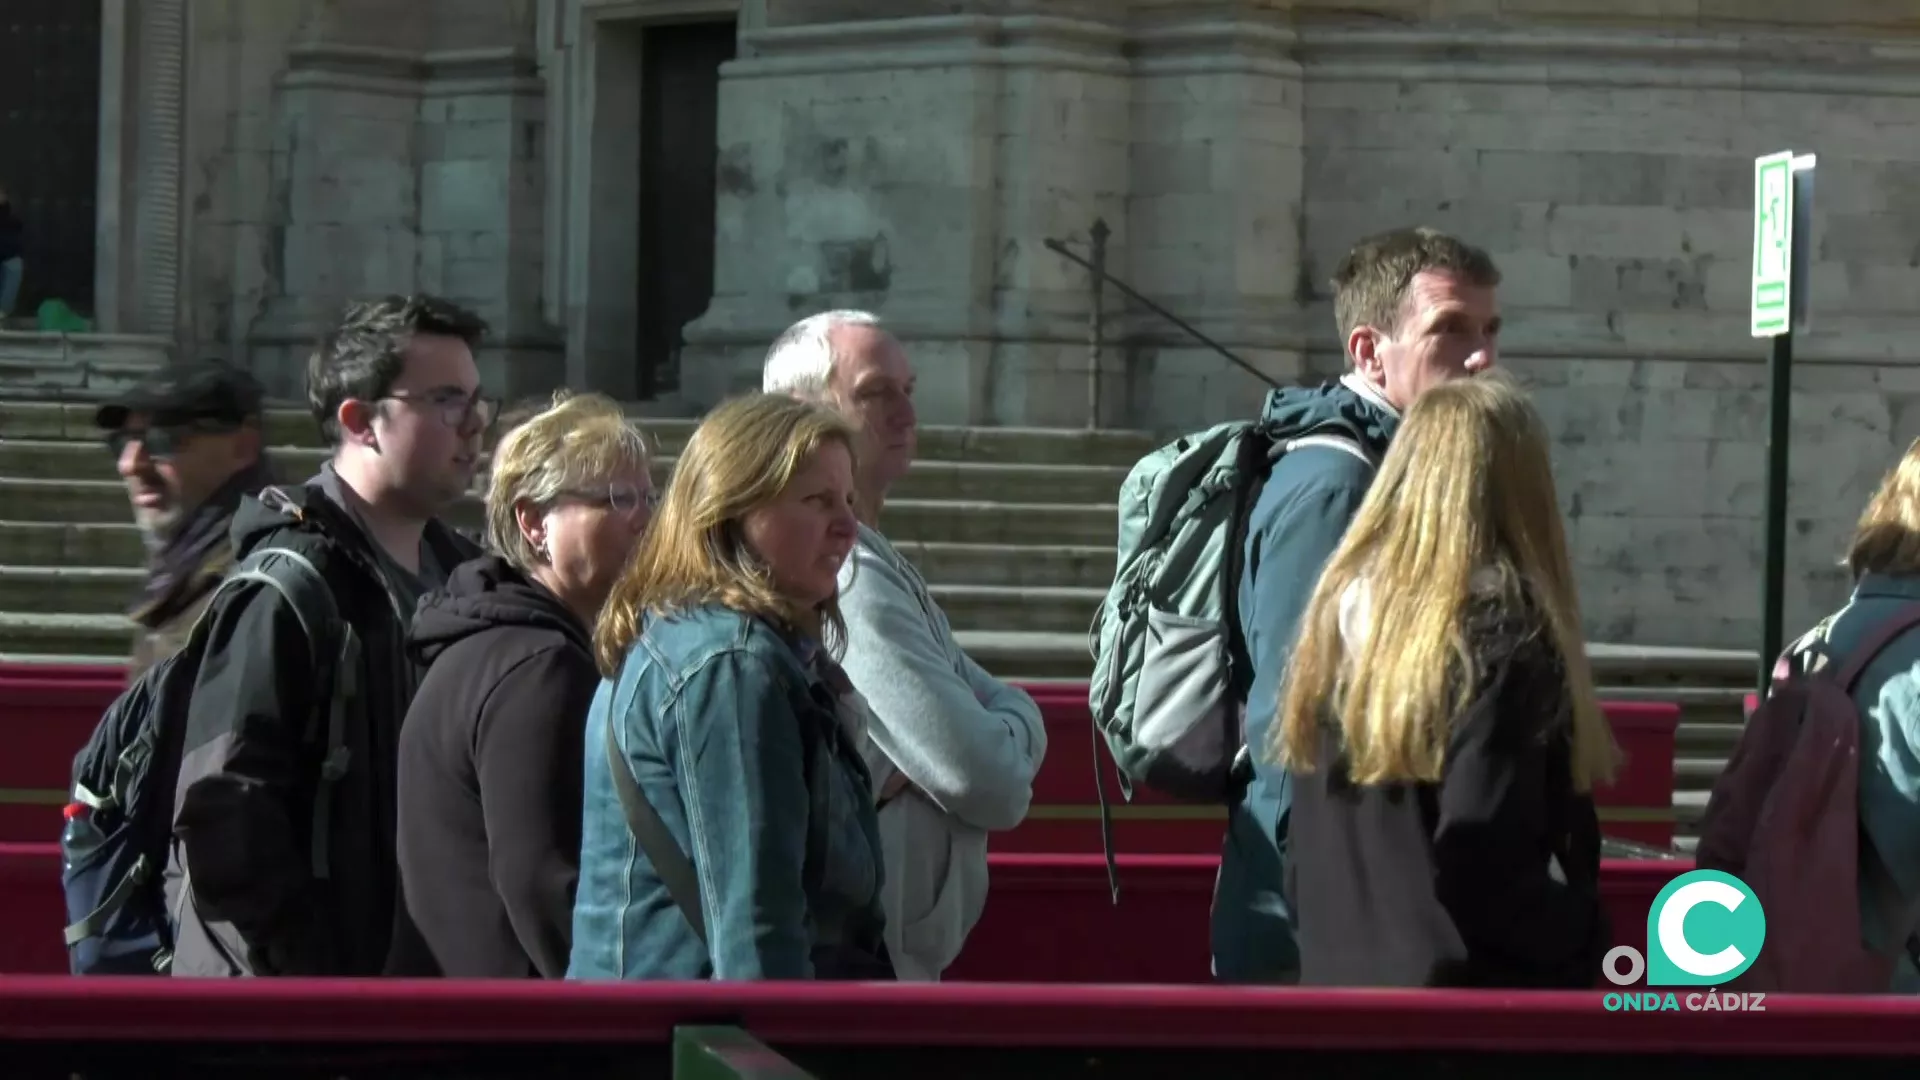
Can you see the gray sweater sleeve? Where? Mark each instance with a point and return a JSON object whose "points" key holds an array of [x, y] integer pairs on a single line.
{"points": [[971, 743]]}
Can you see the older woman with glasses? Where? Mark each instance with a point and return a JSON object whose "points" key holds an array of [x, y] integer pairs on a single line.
{"points": [[489, 781]]}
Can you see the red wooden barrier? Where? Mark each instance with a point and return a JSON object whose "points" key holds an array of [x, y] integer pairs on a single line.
{"points": [[796, 1015], [1065, 813], [1049, 918], [47, 712]]}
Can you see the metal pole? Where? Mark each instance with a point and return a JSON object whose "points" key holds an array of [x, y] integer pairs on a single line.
{"points": [[1096, 318], [1133, 294], [1779, 413]]}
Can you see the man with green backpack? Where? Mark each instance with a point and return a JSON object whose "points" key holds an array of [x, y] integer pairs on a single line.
{"points": [[1223, 536]]}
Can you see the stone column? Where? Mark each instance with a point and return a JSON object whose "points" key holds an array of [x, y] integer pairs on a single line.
{"points": [[482, 211], [914, 166], [344, 175], [142, 135], [1215, 222], [402, 168]]}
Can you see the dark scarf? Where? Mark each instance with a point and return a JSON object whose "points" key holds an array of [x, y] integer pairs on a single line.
{"points": [[175, 564]]}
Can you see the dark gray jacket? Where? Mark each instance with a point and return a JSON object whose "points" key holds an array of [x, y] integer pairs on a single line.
{"points": [[1297, 522], [241, 878]]}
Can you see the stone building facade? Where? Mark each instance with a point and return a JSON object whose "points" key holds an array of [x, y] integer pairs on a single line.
{"points": [[260, 162]]}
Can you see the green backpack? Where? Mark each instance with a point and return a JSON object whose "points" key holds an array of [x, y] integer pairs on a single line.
{"points": [[1170, 673]]}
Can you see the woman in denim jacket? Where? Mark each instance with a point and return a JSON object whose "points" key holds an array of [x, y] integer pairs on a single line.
{"points": [[736, 724]]}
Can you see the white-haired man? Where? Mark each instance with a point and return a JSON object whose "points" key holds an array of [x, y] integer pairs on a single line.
{"points": [[961, 748]]}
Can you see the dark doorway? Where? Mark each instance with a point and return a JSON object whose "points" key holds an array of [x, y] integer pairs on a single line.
{"points": [[679, 109], [49, 143]]}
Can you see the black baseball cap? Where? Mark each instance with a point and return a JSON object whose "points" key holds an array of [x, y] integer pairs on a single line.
{"points": [[198, 392]]}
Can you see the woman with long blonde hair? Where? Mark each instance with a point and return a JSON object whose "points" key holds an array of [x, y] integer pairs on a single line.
{"points": [[1440, 720], [729, 829]]}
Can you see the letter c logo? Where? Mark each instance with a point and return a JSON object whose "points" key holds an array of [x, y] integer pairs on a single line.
{"points": [[1698, 911]]}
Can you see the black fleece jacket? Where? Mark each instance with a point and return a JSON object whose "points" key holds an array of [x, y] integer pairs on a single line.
{"points": [[491, 758], [1450, 884]]}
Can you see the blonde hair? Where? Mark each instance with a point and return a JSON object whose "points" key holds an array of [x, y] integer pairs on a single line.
{"points": [[1466, 487], [740, 458], [577, 441], [1887, 540]]}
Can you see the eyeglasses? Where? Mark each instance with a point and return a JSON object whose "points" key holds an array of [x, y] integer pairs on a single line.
{"points": [[160, 442], [620, 498], [455, 408]]}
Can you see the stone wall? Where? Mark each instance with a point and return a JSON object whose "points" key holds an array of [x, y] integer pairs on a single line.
{"points": [[349, 148], [1617, 198], [913, 158]]}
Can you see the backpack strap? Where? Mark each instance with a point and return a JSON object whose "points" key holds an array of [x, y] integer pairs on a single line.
{"points": [[1882, 635], [335, 658], [1332, 442], [662, 850]]}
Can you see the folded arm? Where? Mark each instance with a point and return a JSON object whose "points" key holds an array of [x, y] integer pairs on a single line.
{"points": [[969, 742]]}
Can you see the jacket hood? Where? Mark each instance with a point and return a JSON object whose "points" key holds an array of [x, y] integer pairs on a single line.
{"points": [[308, 507], [1293, 411], [484, 594], [285, 506]]}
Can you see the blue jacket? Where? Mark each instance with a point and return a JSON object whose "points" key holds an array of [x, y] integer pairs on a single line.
{"points": [[734, 741], [1888, 698], [1297, 522]]}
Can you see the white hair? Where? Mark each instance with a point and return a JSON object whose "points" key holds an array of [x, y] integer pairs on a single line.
{"points": [[801, 359]]}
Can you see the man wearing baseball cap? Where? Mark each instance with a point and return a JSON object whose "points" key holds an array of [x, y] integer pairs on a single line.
{"points": [[187, 442]]}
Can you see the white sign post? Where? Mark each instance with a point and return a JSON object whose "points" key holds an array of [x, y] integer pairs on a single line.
{"points": [[1773, 244], [1782, 216]]}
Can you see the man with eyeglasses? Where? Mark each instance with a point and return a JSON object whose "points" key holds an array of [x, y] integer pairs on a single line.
{"points": [[187, 442], [285, 823]]}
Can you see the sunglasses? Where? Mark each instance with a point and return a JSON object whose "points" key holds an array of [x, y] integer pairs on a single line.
{"points": [[160, 442]]}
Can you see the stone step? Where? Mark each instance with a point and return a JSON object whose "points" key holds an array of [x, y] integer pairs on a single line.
{"points": [[31, 635], [1086, 566], [1706, 739], [1006, 445], [87, 590], [954, 520], [930, 478], [38, 543], [1693, 772], [46, 543], [77, 590], [1044, 609], [1679, 666]]}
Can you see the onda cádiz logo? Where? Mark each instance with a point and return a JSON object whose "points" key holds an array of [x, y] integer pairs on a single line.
{"points": [[1703, 929]]}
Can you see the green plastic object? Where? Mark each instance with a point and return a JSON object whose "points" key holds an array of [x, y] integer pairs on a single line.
{"points": [[57, 318], [728, 1053]]}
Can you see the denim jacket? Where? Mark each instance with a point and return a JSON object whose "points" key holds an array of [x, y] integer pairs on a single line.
{"points": [[735, 742]]}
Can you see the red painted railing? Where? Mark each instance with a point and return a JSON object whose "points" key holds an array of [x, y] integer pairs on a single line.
{"points": [[1049, 917], [889, 1015], [47, 712]]}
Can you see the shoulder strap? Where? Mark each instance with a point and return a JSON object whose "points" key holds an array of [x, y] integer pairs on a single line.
{"points": [[1332, 442], [1906, 618], [663, 851], [335, 650]]}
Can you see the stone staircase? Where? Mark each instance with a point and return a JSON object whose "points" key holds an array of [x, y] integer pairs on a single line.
{"points": [[1012, 528]]}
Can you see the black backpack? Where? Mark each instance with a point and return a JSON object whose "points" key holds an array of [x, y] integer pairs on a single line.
{"points": [[120, 823]]}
